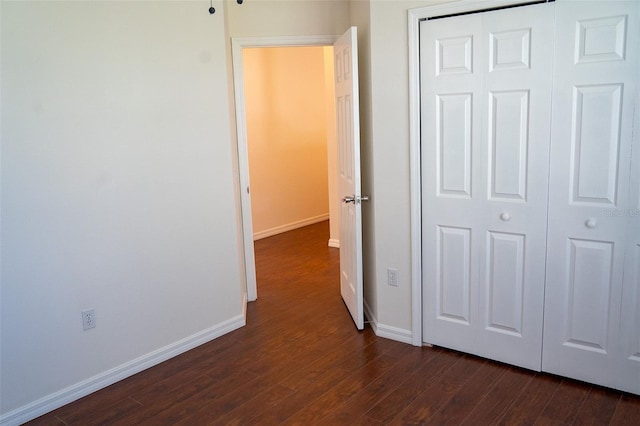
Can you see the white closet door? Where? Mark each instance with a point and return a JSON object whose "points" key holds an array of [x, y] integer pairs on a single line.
{"points": [[630, 318], [451, 112], [486, 121], [590, 333]]}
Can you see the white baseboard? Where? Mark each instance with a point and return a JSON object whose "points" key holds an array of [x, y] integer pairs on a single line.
{"points": [[289, 226], [387, 331], [334, 243], [58, 399], [394, 333]]}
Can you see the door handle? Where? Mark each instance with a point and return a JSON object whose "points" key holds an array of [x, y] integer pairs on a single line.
{"points": [[355, 199]]}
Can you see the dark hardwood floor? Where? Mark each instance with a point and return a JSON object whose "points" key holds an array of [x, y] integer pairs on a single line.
{"points": [[300, 360]]}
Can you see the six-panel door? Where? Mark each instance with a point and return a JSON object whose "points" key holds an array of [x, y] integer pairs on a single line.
{"points": [[345, 51], [589, 329], [486, 114]]}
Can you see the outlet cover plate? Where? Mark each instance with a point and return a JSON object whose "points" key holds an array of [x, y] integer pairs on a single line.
{"points": [[88, 319], [392, 277]]}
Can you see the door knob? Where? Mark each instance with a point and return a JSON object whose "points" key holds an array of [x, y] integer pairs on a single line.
{"points": [[591, 223], [349, 199], [505, 217]]}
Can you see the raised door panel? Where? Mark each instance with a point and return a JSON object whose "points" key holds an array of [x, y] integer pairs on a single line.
{"points": [[453, 274], [601, 39], [453, 146], [510, 49], [508, 123], [595, 139], [454, 55], [505, 281], [589, 286]]}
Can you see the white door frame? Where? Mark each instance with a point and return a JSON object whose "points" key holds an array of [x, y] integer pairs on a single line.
{"points": [[414, 18], [237, 44]]}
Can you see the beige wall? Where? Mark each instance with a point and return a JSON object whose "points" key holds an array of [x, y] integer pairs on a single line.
{"points": [[390, 159], [288, 17], [285, 106], [389, 164], [117, 192]]}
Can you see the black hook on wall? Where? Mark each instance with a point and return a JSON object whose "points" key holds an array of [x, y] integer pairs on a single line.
{"points": [[212, 9]]}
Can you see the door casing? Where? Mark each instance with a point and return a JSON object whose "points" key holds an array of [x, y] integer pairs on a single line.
{"points": [[237, 44]]}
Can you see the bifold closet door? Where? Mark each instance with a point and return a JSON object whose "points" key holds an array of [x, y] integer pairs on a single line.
{"points": [[591, 324], [486, 111]]}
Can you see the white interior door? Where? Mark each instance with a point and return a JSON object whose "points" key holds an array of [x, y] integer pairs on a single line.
{"points": [[348, 136], [486, 120], [592, 329]]}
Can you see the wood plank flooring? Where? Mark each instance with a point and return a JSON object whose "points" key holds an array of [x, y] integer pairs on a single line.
{"points": [[300, 360]]}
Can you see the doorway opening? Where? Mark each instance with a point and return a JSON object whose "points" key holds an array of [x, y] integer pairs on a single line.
{"points": [[290, 120], [239, 45], [291, 141], [347, 161]]}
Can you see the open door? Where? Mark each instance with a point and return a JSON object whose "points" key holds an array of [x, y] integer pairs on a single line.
{"points": [[345, 52]]}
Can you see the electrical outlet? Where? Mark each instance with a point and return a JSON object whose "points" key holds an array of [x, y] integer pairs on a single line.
{"points": [[392, 277], [88, 319]]}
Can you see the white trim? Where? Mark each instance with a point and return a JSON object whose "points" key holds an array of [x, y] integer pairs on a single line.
{"points": [[244, 308], [58, 399], [395, 333], [237, 44], [464, 6], [279, 41], [290, 226], [387, 331], [373, 321], [414, 18], [415, 185], [335, 243]]}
